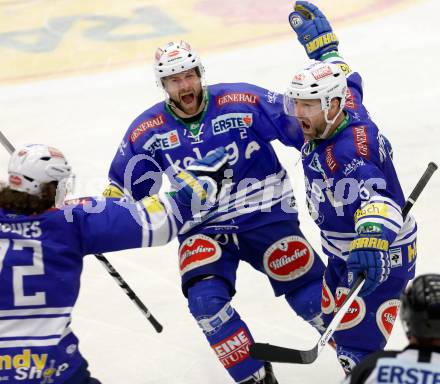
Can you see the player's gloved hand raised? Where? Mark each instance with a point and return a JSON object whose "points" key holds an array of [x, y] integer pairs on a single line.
{"points": [[369, 255], [201, 181], [313, 30]]}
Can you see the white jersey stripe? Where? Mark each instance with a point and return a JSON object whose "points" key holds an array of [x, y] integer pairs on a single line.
{"points": [[35, 312], [339, 235], [330, 248], [29, 343], [33, 327]]}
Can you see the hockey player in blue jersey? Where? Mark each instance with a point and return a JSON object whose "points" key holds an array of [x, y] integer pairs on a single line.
{"points": [[353, 192], [42, 244], [256, 220]]}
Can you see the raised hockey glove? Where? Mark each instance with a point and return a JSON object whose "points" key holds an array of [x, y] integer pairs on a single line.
{"points": [[201, 181], [369, 255], [313, 30]]}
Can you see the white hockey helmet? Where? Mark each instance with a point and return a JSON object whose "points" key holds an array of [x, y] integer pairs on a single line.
{"points": [[33, 165], [323, 81], [174, 58]]}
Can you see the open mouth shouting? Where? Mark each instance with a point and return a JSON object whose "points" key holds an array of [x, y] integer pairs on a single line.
{"points": [[307, 128], [187, 99]]}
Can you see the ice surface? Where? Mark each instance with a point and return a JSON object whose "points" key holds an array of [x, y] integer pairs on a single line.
{"points": [[86, 116]]}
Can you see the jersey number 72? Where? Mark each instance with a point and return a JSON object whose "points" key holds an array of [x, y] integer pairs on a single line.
{"points": [[20, 271]]}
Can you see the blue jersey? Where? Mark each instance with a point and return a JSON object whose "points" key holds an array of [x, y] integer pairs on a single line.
{"points": [[350, 179], [41, 258], [244, 119]]}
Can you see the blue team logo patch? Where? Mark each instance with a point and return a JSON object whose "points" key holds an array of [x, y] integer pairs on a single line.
{"points": [[163, 141], [224, 123]]}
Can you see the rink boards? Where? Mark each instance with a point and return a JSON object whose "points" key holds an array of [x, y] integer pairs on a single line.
{"points": [[50, 39]]}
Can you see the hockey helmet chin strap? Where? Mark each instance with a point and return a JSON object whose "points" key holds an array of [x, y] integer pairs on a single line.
{"points": [[329, 124]]}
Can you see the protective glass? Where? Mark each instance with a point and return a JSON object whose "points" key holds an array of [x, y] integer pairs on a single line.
{"points": [[65, 190], [301, 108]]}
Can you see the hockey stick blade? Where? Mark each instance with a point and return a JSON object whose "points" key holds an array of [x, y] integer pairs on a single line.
{"points": [[268, 352], [107, 265]]}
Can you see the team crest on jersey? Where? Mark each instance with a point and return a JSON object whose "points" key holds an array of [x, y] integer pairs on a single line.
{"points": [[146, 125], [288, 259], [386, 316], [315, 164], [163, 141], [196, 251], [236, 98], [224, 123], [361, 141], [327, 299], [355, 313]]}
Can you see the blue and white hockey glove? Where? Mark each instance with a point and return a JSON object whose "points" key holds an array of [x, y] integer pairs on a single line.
{"points": [[369, 255], [313, 30], [201, 181]]}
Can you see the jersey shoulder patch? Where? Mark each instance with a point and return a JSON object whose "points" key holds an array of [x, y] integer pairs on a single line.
{"points": [[230, 94], [150, 119]]}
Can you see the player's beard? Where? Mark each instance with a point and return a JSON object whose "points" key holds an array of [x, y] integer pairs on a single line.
{"points": [[312, 130], [180, 104]]}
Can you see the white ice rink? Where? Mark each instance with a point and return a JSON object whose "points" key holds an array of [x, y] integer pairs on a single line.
{"points": [[85, 116]]}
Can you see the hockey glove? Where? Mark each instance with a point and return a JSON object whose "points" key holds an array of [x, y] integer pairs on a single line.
{"points": [[369, 255], [201, 181], [313, 30]]}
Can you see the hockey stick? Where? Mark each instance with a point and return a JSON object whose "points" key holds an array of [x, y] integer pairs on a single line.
{"points": [[107, 265], [268, 352]]}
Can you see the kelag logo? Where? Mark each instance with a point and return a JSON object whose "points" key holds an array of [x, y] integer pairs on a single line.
{"points": [[224, 123]]}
